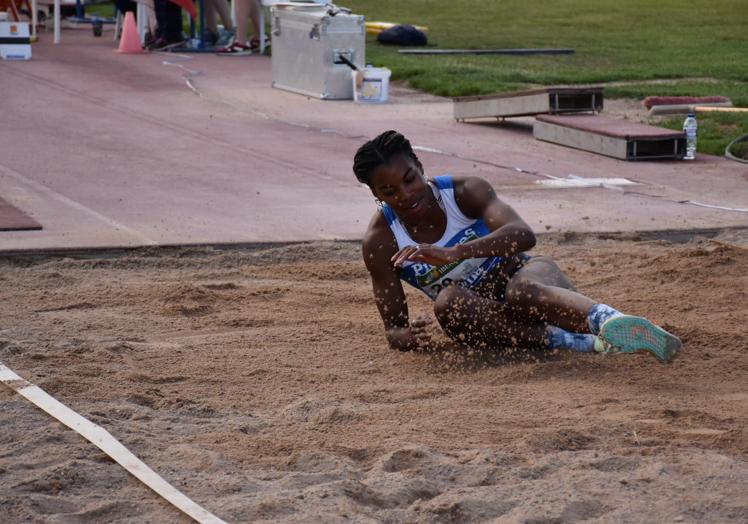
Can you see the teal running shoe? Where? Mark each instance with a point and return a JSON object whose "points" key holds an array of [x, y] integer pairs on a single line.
{"points": [[627, 334]]}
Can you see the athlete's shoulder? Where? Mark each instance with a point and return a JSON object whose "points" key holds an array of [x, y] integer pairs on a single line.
{"points": [[473, 194], [378, 244], [442, 182], [470, 184], [377, 225]]}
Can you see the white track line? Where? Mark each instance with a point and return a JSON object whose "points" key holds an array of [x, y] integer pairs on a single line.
{"points": [[106, 443], [712, 206]]}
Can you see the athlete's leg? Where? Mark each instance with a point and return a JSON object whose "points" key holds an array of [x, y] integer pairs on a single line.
{"points": [[541, 291], [479, 322]]}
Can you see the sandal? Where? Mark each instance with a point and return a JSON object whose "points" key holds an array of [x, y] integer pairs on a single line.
{"points": [[254, 43]]}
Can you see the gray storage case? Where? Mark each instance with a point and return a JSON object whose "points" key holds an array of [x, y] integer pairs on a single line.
{"points": [[306, 45]]}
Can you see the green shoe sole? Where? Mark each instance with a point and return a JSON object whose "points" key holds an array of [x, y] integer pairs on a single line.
{"points": [[627, 334]]}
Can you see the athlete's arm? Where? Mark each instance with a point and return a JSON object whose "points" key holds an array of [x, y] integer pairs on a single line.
{"points": [[509, 233], [476, 198], [378, 247]]}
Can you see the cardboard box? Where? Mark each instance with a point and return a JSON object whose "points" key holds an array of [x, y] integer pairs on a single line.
{"points": [[14, 40]]}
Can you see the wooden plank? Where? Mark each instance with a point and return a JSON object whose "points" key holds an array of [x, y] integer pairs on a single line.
{"points": [[549, 90], [532, 104], [610, 127], [578, 139], [529, 102], [606, 136]]}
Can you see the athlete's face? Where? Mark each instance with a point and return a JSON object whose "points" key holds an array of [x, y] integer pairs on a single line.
{"points": [[401, 185]]}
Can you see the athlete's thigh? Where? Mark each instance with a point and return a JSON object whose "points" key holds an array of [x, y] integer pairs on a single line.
{"points": [[543, 270]]}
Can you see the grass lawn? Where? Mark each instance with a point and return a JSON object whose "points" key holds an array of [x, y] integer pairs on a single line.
{"points": [[716, 131], [639, 47], [615, 41]]}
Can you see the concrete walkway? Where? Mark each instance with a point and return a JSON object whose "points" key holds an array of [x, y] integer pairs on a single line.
{"points": [[109, 150]]}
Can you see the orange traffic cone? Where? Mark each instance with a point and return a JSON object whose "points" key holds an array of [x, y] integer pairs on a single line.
{"points": [[129, 42]]}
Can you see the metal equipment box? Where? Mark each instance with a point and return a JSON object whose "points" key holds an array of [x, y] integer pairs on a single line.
{"points": [[307, 44]]}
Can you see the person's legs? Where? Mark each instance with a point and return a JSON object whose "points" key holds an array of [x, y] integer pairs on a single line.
{"points": [[541, 291], [211, 25], [243, 10], [175, 22], [159, 7], [254, 17], [169, 18], [222, 8], [239, 46], [470, 319]]}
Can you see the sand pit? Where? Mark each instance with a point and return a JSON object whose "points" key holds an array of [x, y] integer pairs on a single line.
{"points": [[258, 382]]}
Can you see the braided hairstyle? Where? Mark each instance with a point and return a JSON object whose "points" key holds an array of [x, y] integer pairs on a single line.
{"points": [[380, 151]]}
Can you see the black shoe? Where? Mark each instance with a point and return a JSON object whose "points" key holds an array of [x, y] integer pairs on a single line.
{"points": [[164, 44], [148, 40], [210, 39]]}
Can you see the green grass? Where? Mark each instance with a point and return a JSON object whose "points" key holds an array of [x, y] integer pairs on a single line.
{"points": [[100, 10], [699, 47], [614, 41], [716, 131], [740, 150]]}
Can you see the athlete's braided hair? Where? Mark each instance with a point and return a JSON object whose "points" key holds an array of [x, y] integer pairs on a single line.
{"points": [[380, 151]]}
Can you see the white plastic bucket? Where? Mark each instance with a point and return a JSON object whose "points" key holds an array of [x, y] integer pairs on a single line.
{"points": [[375, 86]]}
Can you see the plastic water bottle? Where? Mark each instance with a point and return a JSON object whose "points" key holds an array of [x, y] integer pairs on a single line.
{"points": [[689, 127]]}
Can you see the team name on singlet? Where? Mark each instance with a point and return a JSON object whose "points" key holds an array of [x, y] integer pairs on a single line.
{"points": [[432, 279]]}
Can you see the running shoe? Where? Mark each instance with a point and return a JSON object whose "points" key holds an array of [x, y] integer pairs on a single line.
{"points": [[225, 38], [627, 334], [235, 49]]}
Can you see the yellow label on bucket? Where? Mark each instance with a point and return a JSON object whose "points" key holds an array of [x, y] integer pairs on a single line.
{"points": [[371, 85], [371, 89]]}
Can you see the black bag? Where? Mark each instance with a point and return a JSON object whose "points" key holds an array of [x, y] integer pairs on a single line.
{"points": [[402, 35]]}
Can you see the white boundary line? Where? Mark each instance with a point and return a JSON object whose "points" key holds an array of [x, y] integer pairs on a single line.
{"points": [[106, 443], [738, 209]]}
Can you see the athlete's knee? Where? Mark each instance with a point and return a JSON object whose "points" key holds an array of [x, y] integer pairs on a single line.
{"points": [[521, 290], [448, 303]]}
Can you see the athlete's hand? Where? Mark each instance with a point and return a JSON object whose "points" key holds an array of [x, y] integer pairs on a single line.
{"points": [[434, 255], [422, 329]]}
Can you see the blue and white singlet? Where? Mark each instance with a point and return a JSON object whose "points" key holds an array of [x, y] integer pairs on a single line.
{"points": [[460, 229]]}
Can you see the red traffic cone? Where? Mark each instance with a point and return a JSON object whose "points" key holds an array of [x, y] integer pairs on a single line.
{"points": [[129, 42]]}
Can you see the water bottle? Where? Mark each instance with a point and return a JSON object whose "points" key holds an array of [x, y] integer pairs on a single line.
{"points": [[689, 127]]}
